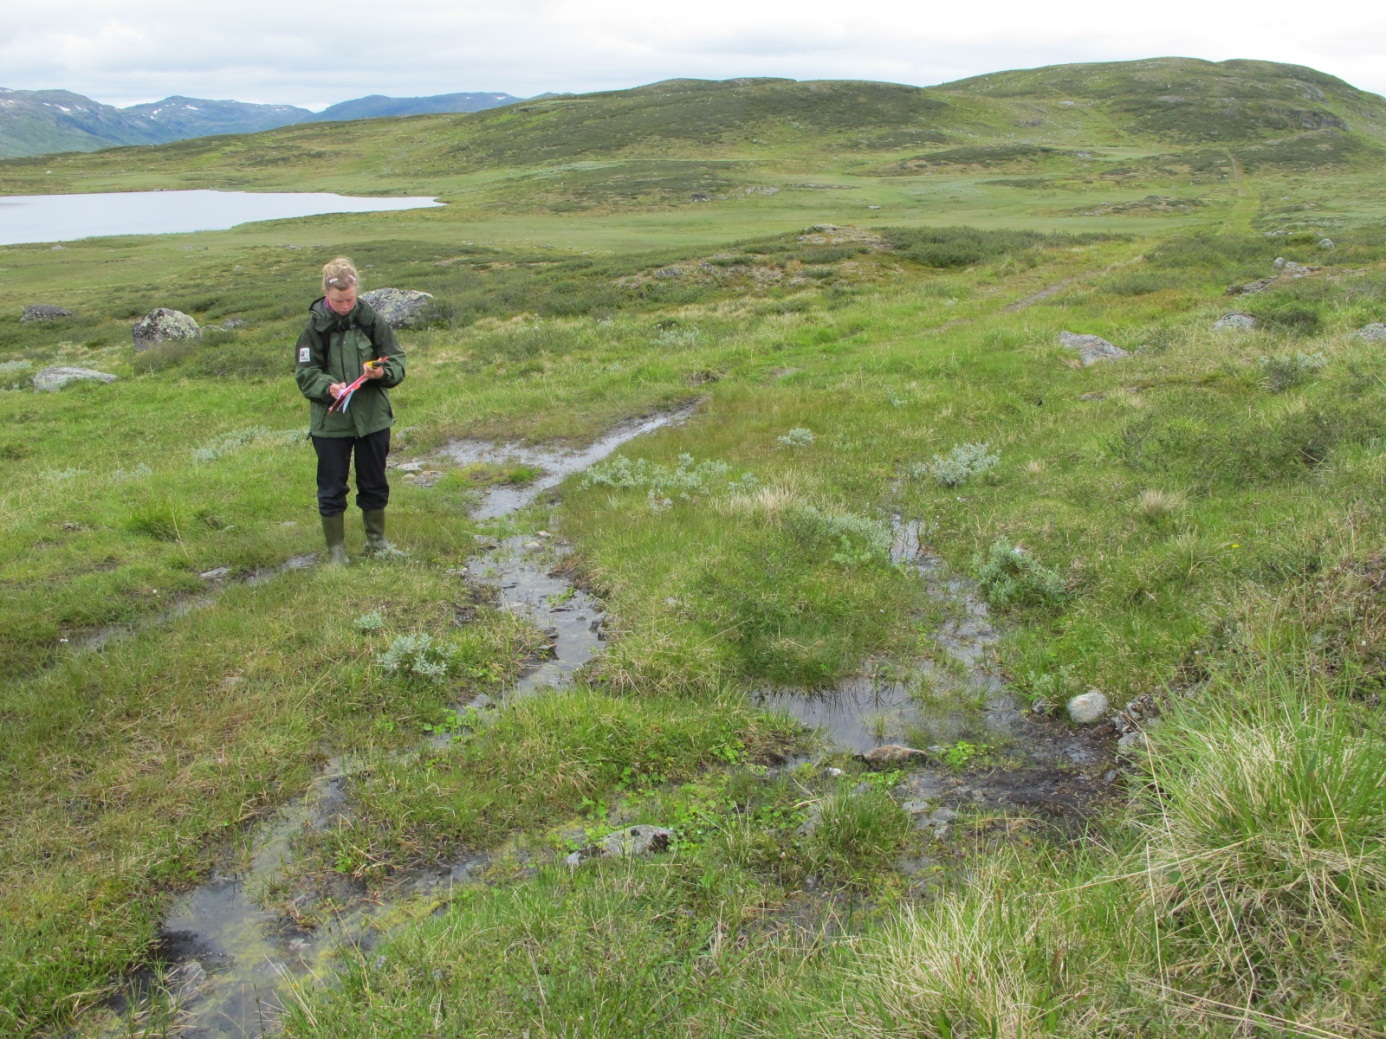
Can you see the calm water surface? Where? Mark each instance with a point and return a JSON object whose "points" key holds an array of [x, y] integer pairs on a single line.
{"points": [[65, 218]]}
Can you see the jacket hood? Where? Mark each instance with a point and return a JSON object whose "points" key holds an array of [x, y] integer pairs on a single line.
{"points": [[326, 320]]}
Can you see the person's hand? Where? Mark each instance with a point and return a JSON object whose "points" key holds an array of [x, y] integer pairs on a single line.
{"points": [[336, 389], [371, 370]]}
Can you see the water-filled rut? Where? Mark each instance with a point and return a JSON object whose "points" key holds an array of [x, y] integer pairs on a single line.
{"points": [[239, 938]]}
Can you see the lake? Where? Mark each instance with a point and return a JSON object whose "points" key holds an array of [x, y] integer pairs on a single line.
{"points": [[66, 218]]}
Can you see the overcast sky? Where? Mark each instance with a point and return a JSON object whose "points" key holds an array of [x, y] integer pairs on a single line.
{"points": [[313, 55]]}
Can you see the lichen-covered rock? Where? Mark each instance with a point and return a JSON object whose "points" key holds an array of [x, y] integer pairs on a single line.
{"points": [[163, 326], [1231, 322], [51, 380], [44, 312], [1087, 708], [399, 307], [1091, 349], [629, 841], [1373, 333]]}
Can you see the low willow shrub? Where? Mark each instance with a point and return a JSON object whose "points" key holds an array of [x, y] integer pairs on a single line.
{"points": [[960, 464], [1008, 575], [664, 484], [417, 658]]}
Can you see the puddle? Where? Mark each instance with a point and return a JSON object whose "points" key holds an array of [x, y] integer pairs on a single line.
{"points": [[557, 464], [233, 947], [522, 571], [959, 695]]}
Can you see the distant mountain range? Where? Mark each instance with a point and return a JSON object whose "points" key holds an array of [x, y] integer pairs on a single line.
{"points": [[36, 122]]}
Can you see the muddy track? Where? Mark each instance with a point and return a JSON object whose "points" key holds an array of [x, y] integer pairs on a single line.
{"points": [[235, 940]]}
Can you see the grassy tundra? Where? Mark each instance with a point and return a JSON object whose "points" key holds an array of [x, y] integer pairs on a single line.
{"points": [[1201, 521]]}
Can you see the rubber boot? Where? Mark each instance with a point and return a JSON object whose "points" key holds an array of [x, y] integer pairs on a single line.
{"points": [[376, 545], [334, 530]]}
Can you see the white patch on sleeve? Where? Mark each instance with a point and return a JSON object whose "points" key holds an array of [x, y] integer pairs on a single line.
{"points": [[303, 355]]}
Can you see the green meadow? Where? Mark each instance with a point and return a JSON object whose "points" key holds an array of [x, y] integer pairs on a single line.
{"points": [[860, 289]]}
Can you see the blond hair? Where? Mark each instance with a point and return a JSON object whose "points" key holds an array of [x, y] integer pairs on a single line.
{"points": [[338, 274]]}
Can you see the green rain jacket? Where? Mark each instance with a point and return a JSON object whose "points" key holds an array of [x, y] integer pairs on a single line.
{"points": [[331, 349]]}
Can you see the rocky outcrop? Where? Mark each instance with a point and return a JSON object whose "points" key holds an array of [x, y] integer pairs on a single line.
{"points": [[1092, 349], [51, 380], [44, 312], [399, 307], [164, 326], [1373, 333], [1234, 322]]}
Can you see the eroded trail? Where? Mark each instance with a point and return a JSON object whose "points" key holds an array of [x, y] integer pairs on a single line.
{"points": [[234, 943], [239, 938]]}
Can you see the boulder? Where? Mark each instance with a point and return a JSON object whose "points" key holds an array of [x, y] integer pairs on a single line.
{"points": [[44, 312], [641, 839], [1087, 708], [1327, 243], [399, 307], [1091, 349], [1373, 333], [1234, 321], [164, 326], [51, 380]]}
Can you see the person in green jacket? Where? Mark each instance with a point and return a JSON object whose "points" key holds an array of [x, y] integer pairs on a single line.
{"points": [[343, 340]]}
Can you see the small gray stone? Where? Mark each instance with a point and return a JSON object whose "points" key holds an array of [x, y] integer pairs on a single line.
{"points": [[914, 807], [1373, 333], [51, 380], [1087, 708], [943, 816], [399, 307], [43, 312], [214, 575], [629, 841], [1092, 349], [164, 326], [1234, 321], [1131, 744], [1326, 244]]}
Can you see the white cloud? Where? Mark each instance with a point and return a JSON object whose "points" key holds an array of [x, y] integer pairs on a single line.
{"points": [[298, 53]]}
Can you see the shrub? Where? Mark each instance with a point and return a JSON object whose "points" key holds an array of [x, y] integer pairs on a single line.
{"points": [[687, 480], [960, 465], [420, 658], [797, 437], [1010, 576]]}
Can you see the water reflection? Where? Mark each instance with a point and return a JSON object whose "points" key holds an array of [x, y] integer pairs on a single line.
{"points": [[66, 218]]}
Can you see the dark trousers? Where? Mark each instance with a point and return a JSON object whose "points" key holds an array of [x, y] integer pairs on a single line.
{"points": [[334, 465]]}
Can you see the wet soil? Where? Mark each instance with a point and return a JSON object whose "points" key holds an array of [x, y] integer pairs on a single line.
{"points": [[236, 940]]}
